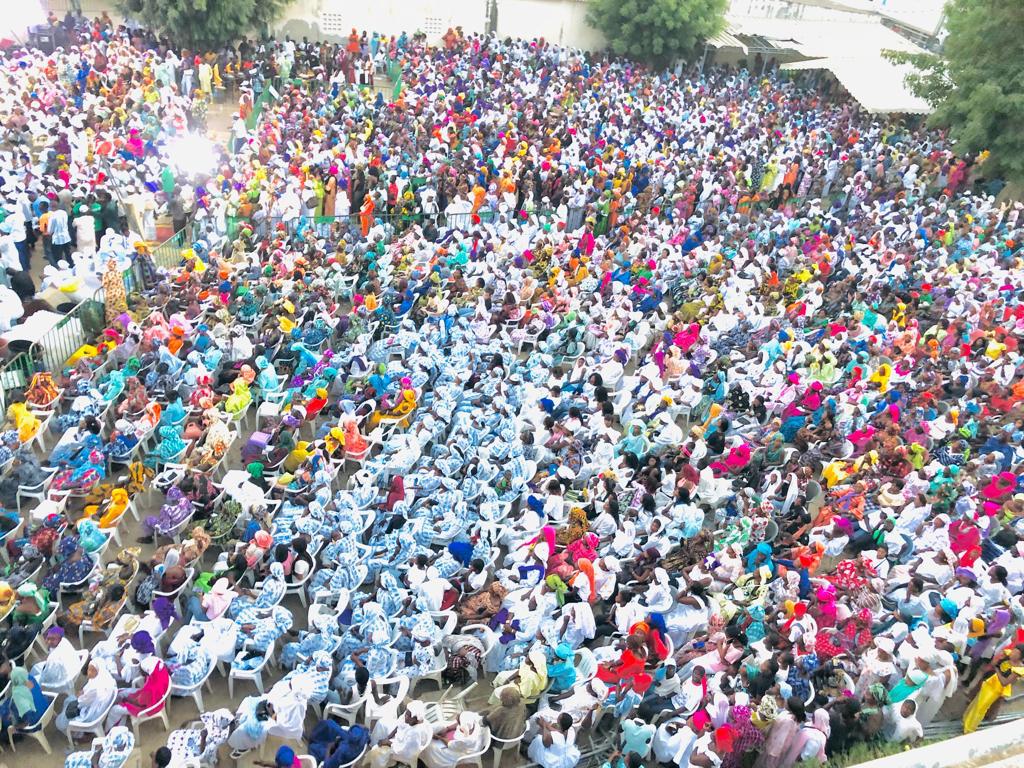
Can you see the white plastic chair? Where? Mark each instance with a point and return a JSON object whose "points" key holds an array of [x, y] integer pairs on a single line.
{"points": [[37, 731], [37, 491], [299, 587], [196, 691], [476, 758], [253, 675], [434, 673], [500, 746], [94, 727], [377, 710], [157, 712], [67, 687], [347, 712]]}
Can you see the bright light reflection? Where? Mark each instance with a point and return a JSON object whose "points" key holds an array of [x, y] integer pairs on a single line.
{"points": [[18, 16], [192, 155]]}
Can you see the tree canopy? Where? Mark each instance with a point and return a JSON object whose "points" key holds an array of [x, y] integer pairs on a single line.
{"points": [[657, 30], [976, 84], [205, 23]]}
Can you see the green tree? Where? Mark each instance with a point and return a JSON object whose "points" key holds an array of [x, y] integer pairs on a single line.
{"points": [[657, 30], [976, 84], [205, 23]]}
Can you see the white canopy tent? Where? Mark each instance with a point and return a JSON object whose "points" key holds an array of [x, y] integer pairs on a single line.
{"points": [[849, 45], [879, 85]]}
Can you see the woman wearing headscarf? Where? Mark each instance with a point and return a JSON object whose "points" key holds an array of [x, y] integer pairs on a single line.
{"points": [[214, 603], [290, 698], [259, 634], [165, 577], [135, 700], [629, 667], [90, 537], [112, 751], [173, 513], [781, 735], [454, 741], [86, 469], [33, 605], [189, 663], [253, 721], [201, 744], [912, 682], [530, 679], [1006, 669], [73, 566], [244, 608], [27, 704], [97, 695], [402, 739], [333, 745]]}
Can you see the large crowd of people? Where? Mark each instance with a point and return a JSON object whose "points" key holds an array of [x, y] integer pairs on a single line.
{"points": [[657, 418]]}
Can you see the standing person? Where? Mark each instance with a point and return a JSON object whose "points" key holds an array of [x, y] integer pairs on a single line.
{"points": [[44, 230], [999, 685], [19, 235], [109, 217], [60, 236], [239, 133]]}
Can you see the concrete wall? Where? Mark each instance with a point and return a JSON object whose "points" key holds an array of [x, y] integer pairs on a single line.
{"points": [[334, 19], [557, 21]]}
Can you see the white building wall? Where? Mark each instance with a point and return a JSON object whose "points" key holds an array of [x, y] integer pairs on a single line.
{"points": [[557, 21], [563, 22], [334, 19]]}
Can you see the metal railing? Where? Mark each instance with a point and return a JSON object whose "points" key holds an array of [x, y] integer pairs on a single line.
{"points": [[15, 374], [327, 226], [82, 325]]}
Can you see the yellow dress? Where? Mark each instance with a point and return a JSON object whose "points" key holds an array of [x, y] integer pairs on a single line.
{"points": [[24, 421], [991, 691]]}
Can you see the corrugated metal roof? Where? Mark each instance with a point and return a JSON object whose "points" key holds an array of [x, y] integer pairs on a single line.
{"points": [[725, 39], [877, 84]]}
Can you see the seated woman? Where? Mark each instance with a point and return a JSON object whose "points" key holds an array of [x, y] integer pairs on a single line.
{"points": [[33, 606], [403, 407], [163, 577], [333, 745], [258, 634], [27, 704], [90, 537], [240, 399], [173, 513], [190, 665], [136, 398], [123, 440], [21, 420], [132, 701], [244, 607], [42, 392], [24, 472], [114, 751], [216, 443], [73, 566], [84, 470], [100, 609], [453, 741], [111, 510], [170, 447], [629, 668], [97, 695]]}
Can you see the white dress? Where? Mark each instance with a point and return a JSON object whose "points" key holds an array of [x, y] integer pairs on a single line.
{"points": [[563, 752]]}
